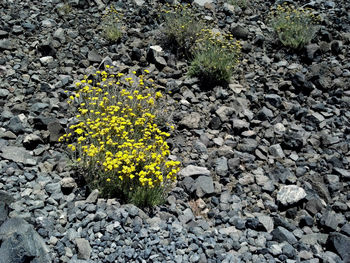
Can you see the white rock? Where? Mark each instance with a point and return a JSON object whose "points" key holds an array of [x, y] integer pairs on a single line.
{"points": [[290, 194]]}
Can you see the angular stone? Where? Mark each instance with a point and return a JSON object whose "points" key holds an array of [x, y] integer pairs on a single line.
{"points": [[18, 154], [276, 151], [7, 44], [311, 239], [224, 113], [247, 145], [342, 172], [191, 121], [204, 185], [192, 170], [267, 222], [94, 57], [340, 244], [290, 194], [55, 129], [83, 247], [280, 234], [329, 220], [239, 31], [274, 100], [68, 184], [221, 167], [92, 198], [31, 141], [314, 205], [20, 242]]}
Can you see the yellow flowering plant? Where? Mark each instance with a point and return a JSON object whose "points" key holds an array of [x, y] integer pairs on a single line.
{"points": [[117, 140], [294, 26]]}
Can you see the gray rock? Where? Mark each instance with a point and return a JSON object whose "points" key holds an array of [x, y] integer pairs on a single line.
{"points": [[314, 205], [192, 170], [264, 114], [31, 141], [68, 184], [3, 34], [290, 194], [313, 238], [94, 57], [191, 121], [5, 201], [53, 188], [18, 154], [187, 216], [7, 44], [342, 172], [329, 220], [139, 2], [55, 129], [16, 125], [155, 56], [340, 244], [39, 107], [224, 113], [247, 145], [20, 242], [280, 234], [266, 221], [274, 99], [92, 198], [4, 93], [239, 125], [312, 51], [221, 167], [202, 2], [200, 147], [276, 151], [239, 31], [204, 185], [83, 247]]}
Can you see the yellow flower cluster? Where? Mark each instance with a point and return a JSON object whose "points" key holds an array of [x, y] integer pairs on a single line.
{"points": [[117, 131]]}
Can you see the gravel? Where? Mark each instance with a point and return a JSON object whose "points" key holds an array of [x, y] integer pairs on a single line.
{"points": [[265, 161]]}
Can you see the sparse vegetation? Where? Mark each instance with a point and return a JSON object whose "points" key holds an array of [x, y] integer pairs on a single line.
{"points": [[295, 27], [215, 59]]}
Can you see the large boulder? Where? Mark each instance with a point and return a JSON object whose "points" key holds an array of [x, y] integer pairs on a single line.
{"points": [[21, 243]]}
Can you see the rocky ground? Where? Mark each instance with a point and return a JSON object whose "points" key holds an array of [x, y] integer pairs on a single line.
{"points": [[265, 161]]}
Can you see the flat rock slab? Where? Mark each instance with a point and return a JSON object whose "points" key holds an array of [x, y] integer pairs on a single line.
{"points": [[192, 170], [18, 155]]}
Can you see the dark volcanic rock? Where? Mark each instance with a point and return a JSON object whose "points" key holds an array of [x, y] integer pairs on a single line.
{"points": [[21, 243], [340, 244]]}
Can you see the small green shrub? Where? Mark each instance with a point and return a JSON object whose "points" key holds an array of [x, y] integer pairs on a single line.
{"points": [[182, 28], [111, 25], [64, 8], [215, 59], [117, 141], [295, 27], [240, 3]]}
